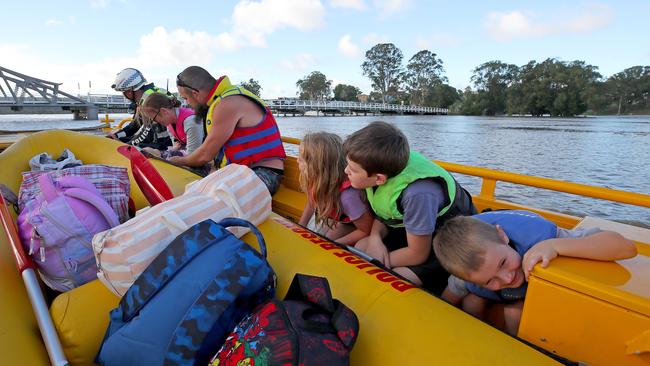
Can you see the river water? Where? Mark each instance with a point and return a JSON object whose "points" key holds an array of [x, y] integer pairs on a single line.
{"points": [[609, 152]]}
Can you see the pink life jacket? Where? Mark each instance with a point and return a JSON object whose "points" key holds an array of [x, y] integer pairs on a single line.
{"points": [[178, 129]]}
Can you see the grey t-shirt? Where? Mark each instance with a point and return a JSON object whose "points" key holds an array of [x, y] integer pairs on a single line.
{"points": [[421, 201], [194, 133], [353, 203]]}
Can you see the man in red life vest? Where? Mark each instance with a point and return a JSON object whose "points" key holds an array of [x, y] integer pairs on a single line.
{"points": [[238, 126]]}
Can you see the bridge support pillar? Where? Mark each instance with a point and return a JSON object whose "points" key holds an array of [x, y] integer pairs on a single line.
{"points": [[89, 113]]}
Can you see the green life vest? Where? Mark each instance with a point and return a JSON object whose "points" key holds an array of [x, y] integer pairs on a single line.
{"points": [[151, 90], [383, 198]]}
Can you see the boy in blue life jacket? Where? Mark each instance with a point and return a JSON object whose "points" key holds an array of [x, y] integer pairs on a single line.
{"points": [[491, 255], [410, 195]]}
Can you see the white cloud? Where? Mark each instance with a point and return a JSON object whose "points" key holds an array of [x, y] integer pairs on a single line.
{"points": [[348, 48], [373, 39], [300, 62], [351, 4], [505, 26], [437, 40], [390, 7], [53, 23], [180, 46], [253, 21]]}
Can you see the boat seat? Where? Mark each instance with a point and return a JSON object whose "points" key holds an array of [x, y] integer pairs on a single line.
{"points": [[289, 203]]}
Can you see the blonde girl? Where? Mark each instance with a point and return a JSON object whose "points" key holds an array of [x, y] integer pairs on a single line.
{"points": [[341, 211]]}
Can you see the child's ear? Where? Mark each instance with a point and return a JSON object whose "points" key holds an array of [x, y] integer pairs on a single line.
{"points": [[381, 179], [502, 234]]}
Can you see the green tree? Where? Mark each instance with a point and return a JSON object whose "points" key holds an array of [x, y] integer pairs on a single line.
{"points": [[253, 86], [630, 87], [442, 95], [492, 80], [314, 86], [345, 92], [423, 73], [552, 87], [383, 65]]}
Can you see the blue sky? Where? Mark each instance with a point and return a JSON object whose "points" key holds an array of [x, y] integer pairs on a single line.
{"points": [[280, 41]]}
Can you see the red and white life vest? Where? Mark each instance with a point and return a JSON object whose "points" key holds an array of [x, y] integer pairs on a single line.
{"points": [[247, 145]]}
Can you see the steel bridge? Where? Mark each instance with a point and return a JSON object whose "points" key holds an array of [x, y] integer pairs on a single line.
{"points": [[24, 94], [292, 106]]}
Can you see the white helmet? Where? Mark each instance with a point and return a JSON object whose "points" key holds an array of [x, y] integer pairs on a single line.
{"points": [[128, 79]]}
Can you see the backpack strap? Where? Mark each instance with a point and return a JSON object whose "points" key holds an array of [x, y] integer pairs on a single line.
{"points": [[317, 291], [96, 201], [311, 289], [161, 270], [346, 324], [47, 187], [79, 188]]}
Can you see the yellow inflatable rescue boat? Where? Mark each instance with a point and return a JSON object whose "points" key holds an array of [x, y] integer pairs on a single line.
{"points": [[586, 311]]}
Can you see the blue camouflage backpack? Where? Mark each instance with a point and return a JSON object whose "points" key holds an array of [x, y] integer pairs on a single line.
{"points": [[180, 309]]}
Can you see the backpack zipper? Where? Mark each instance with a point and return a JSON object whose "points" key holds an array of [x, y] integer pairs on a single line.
{"points": [[64, 229]]}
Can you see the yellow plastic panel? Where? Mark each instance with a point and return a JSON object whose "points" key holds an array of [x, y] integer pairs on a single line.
{"points": [[624, 283], [580, 327]]}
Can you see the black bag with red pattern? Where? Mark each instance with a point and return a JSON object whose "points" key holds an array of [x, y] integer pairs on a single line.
{"points": [[307, 328]]}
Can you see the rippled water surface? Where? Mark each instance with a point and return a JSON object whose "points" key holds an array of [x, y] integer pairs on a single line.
{"points": [[610, 152]]}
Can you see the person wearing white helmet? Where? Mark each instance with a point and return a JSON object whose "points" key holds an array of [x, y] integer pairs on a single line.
{"points": [[139, 132]]}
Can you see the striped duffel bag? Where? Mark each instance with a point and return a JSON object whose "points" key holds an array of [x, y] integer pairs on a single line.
{"points": [[124, 252]]}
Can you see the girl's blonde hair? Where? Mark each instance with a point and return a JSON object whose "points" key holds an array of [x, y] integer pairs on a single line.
{"points": [[325, 163]]}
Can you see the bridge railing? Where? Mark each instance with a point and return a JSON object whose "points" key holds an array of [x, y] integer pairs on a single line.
{"points": [[299, 104], [295, 104], [110, 99]]}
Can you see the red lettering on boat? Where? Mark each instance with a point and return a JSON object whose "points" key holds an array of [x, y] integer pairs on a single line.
{"points": [[402, 286], [348, 257]]}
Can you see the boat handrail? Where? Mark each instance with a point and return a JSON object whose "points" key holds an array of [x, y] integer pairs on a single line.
{"points": [[490, 177]]}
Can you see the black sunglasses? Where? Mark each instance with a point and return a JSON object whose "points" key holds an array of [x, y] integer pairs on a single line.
{"points": [[156, 115], [180, 82]]}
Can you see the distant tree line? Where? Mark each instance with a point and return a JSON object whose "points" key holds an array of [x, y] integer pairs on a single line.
{"points": [[555, 88], [551, 87]]}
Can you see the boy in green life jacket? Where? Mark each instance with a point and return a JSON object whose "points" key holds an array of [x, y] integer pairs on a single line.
{"points": [[410, 195]]}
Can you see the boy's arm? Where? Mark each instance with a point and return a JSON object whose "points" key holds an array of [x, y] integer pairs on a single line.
{"points": [[604, 246], [373, 245], [455, 291], [417, 251], [450, 297], [363, 226]]}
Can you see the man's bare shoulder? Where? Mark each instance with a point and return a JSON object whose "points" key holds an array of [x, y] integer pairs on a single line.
{"points": [[247, 110]]}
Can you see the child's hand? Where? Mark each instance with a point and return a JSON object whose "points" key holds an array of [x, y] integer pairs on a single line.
{"points": [[176, 159], [541, 252], [152, 151], [376, 249]]}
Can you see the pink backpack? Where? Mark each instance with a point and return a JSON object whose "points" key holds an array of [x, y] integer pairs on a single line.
{"points": [[57, 229]]}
